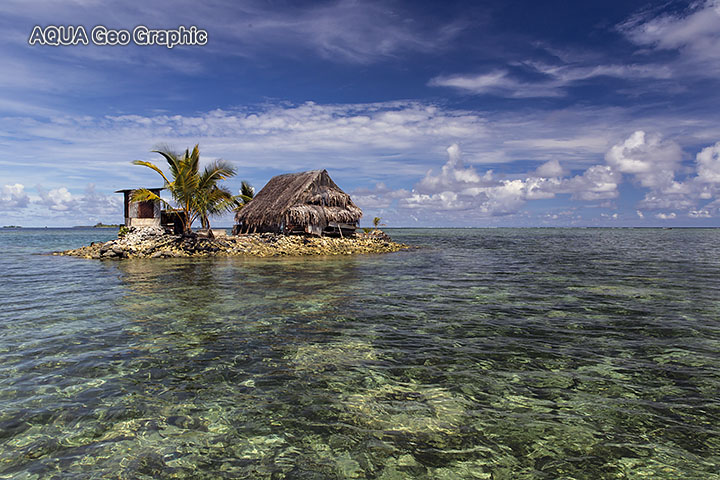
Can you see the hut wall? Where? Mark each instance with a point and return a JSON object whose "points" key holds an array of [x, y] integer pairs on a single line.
{"points": [[142, 214], [142, 222]]}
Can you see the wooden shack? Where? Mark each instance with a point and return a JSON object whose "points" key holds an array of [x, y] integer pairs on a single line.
{"points": [[305, 202], [141, 214]]}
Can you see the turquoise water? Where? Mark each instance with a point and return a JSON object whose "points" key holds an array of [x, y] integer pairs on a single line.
{"points": [[488, 353]]}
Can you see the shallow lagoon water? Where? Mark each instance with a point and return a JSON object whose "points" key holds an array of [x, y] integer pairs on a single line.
{"points": [[487, 353]]}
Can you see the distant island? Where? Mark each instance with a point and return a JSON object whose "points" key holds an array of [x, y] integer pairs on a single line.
{"points": [[99, 225], [11, 226]]}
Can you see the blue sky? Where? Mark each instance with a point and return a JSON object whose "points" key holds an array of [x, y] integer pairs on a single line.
{"points": [[513, 113]]}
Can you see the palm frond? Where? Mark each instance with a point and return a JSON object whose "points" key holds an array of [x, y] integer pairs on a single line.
{"points": [[247, 190], [153, 167], [144, 195]]}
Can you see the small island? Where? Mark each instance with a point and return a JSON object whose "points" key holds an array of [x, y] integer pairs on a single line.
{"points": [[303, 213], [106, 225]]}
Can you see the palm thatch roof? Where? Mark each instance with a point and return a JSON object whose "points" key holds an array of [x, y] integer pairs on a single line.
{"points": [[298, 200]]}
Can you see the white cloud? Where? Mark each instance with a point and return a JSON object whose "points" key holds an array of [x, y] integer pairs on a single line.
{"points": [[682, 199], [460, 188], [58, 199], [88, 205], [551, 168], [695, 33], [553, 80], [310, 126], [654, 163], [13, 197], [702, 213], [708, 164], [598, 182], [379, 197], [454, 176], [101, 206], [566, 74], [500, 83], [344, 30], [651, 160]]}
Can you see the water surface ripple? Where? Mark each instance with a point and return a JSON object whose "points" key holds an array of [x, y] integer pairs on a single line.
{"points": [[488, 353]]}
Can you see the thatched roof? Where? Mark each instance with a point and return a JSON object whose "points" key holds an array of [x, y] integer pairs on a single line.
{"points": [[306, 198]]}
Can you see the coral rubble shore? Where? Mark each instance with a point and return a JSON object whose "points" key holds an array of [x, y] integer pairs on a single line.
{"points": [[153, 242]]}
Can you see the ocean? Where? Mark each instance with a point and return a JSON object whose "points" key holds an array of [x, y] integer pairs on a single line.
{"points": [[483, 354]]}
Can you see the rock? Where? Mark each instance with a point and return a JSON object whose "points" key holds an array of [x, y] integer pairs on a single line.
{"points": [[153, 242]]}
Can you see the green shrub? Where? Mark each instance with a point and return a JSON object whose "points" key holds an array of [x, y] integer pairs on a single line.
{"points": [[122, 231]]}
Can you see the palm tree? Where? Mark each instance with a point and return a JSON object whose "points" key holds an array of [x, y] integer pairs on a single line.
{"points": [[247, 192], [197, 195]]}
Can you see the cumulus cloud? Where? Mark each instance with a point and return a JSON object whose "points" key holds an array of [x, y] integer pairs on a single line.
{"points": [[599, 182], [551, 168], [708, 164], [454, 176], [679, 196], [701, 213], [651, 160], [90, 204], [13, 197], [58, 199], [457, 187], [654, 164], [647, 158]]}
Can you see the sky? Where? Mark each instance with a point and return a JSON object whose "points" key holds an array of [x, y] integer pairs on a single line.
{"points": [[441, 114]]}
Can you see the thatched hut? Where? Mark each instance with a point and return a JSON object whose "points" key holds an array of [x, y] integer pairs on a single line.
{"points": [[306, 202]]}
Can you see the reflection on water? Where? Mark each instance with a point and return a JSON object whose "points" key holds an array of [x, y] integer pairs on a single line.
{"points": [[486, 354]]}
